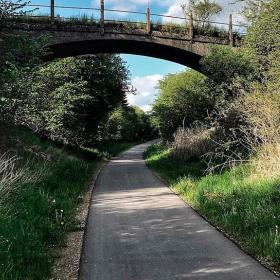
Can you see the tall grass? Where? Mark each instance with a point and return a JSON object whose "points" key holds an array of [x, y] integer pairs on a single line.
{"points": [[193, 142], [42, 186], [12, 177]]}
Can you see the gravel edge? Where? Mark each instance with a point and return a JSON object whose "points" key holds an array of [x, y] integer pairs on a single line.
{"points": [[67, 262]]}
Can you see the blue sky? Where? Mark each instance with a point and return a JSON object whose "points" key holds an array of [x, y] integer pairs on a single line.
{"points": [[145, 71]]}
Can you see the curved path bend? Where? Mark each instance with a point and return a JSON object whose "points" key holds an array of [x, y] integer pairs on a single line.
{"points": [[139, 230]]}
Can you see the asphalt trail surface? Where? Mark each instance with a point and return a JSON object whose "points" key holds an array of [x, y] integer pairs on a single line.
{"points": [[140, 230]]}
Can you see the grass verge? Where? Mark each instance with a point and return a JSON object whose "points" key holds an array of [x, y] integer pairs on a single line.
{"points": [[38, 213], [245, 207]]}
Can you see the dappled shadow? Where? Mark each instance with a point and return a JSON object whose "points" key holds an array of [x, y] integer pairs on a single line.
{"points": [[139, 229]]}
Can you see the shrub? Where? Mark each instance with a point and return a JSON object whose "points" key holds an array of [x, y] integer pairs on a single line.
{"points": [[250, 122], [192, 143], [223, 65]]}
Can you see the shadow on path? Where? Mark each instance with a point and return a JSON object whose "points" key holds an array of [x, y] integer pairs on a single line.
{"points": [[138, 229]]}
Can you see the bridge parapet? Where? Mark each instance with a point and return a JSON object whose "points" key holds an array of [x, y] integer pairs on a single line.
{"points": [[153, 23], [115, 28], [182, 43]]}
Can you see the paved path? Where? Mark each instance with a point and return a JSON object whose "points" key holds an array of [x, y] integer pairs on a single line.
{"points": [[139, 230]]}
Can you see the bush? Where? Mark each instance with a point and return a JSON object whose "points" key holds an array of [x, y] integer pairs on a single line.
{"points": [[192, 143], [250, 122], [68, 99]]}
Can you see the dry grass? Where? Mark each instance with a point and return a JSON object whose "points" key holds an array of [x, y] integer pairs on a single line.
{"points": [[248, 134], [192, 142], [266, 163], [12, 177]]}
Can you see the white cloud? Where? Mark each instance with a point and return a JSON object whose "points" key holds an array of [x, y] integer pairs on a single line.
{"points": [[171, 7], [175, 10], [135, 3], [131, 5], [146, 91], [228, 8]]}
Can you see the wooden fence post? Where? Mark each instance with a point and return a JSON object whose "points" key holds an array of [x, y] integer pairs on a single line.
{"points": [[191, 27], [230, 31], [148, 25], [52, 10], [102, 16]]}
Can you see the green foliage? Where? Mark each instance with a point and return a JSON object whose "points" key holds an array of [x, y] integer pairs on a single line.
{"points": [[159, 157], [184, 98], [224, 65], [32, 220], [263, 41], [40, 212], [126, 124], [67, 99], [20, 55], [252, 9], [64, 100]]}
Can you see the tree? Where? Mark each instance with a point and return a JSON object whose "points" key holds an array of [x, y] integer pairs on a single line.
{"points": [[66, 100], [126, 124], [203, 10], [223, 65], [184, 98], [252, 8], [19, 55]]}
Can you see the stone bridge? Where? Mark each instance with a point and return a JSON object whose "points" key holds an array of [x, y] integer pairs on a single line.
{"points": [[181, 44]]}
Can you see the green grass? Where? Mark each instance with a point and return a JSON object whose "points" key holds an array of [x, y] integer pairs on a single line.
{"points": [[37, 216], [246, 208]]}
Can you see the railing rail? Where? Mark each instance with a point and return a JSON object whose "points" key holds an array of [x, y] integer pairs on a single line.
{"points": [[189, 22]]}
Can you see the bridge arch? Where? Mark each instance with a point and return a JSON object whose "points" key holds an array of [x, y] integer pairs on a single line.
{"points": [[181, 43], [148, 48], [72, 40]]}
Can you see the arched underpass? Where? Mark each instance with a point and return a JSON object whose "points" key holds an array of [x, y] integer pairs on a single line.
{"points": [[71, 40], [138, 47]]}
